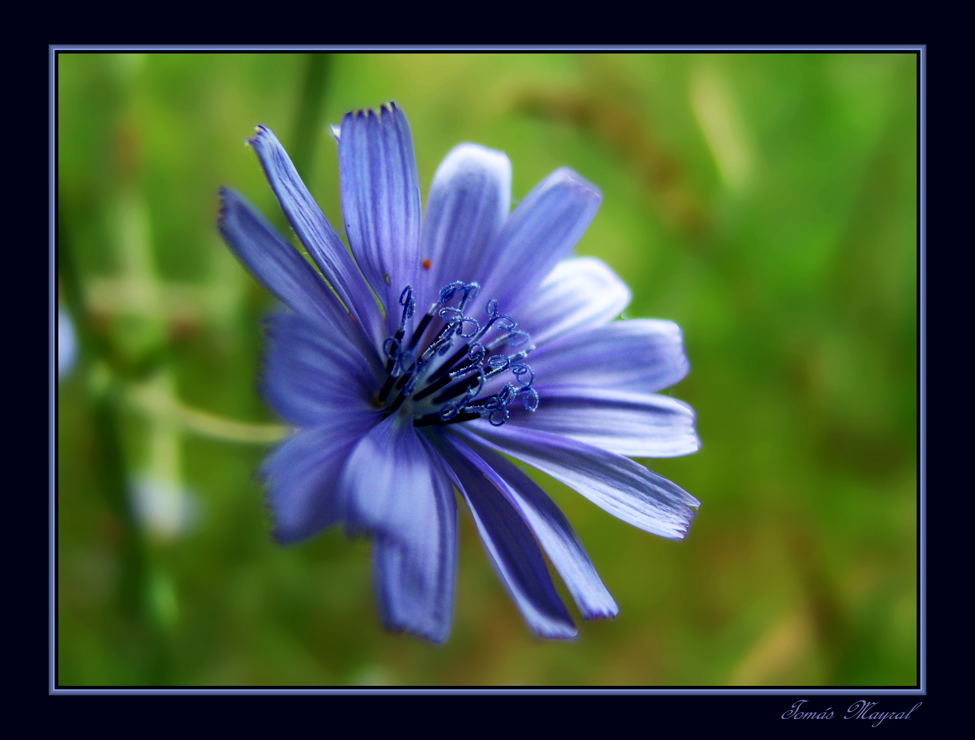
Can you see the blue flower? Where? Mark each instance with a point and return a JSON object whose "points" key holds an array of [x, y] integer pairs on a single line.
{"points": [[67, 344], [412, 362]]}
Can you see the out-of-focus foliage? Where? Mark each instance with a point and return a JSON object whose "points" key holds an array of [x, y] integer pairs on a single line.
{"points": [[766, 203]]}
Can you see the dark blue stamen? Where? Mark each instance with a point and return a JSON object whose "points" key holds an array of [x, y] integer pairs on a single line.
{"points": [[459, 382], [397, 403], [455, 317], [429, 419], [433, 388], [408, 304], [387, 387], [422, 327], [497, 364], [391, 348], [449, 364], [449, 291]]}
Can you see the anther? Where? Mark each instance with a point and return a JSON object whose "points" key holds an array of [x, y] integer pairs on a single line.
{"points": [[408, 304]]}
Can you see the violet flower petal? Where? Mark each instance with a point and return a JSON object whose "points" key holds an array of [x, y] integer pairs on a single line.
{"points": [[312, 373], [302, 476], [381, 201], [616, 484], [639, 355], [578, 294], [468, 203], [540, 232], [629, 424], [274, 262], [415, 577], [391, 481], [315, 232], [510, 546], [547, 523]]}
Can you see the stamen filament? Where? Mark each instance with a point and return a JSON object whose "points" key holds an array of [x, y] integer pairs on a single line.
{"points": [[387, 386], [433, 387], [421, 327], [430, 419]]}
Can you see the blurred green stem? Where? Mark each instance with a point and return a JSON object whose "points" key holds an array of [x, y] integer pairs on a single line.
{"points": [[109, 454], [308, 124], [153, 399], [73, 293]]}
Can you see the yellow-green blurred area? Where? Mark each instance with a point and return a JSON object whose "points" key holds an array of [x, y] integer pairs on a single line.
{"points": [[767, 203]]}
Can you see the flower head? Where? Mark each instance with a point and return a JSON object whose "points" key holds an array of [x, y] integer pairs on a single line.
{"points": [[410, 362]]}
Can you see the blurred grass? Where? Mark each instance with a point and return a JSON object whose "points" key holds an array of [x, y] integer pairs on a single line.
{"points": [[766, 203]]}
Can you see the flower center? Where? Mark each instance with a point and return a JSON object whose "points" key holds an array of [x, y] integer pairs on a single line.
{"points": [[454, 377]]}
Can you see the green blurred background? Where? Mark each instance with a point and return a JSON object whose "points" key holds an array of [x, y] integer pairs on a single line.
{"points": [[767, 203]]}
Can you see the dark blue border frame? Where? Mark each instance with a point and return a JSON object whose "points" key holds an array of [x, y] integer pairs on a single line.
{"points": [[920, 690]]}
